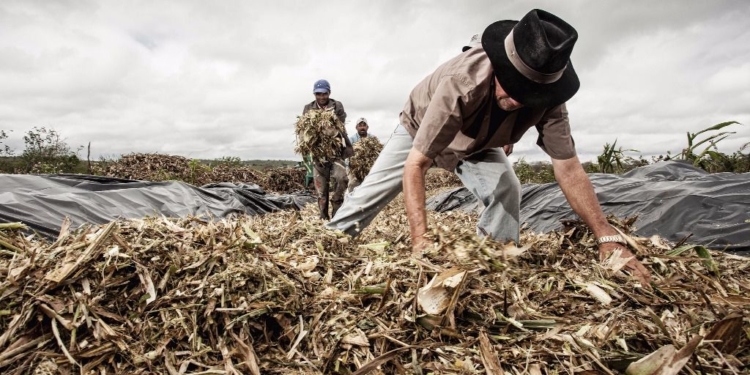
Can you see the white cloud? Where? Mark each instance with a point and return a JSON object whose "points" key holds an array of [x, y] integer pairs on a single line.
{"points": [[213, 79]]}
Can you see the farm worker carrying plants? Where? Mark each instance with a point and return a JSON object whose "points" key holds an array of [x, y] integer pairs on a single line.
{"points": [[361, 133], [330, 171], [362, 129], [460, 117]]}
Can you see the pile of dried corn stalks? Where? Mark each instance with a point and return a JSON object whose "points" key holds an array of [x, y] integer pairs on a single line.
{"points": [[366, 151], [319, 134], [438, 179], [158, 167], [150, 167], [278, 294]]}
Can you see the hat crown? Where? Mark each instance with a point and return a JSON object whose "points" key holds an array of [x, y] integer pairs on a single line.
{"points": [[544, 41], [321, 85], [531, 58]]}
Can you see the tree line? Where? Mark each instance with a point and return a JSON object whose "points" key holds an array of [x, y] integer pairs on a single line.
{"points": [[46, 151]]}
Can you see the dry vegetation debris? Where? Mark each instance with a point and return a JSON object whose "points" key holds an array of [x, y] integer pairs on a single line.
{"points": [[366, 151], [438, 179], [279, 294], [158, 167], [318, 134]]}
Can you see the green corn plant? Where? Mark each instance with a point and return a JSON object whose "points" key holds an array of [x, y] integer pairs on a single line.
{"points": [[4, 149], [611, 160], [698, 159]]}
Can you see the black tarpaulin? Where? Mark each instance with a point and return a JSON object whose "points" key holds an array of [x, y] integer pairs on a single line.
{"points": [[671, 199], [42, 202]]}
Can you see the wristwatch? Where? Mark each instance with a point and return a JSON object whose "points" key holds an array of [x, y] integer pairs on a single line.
{"points": [[615, 238]]}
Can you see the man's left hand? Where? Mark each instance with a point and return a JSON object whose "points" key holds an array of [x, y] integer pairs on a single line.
{"points": [[634, 266]]}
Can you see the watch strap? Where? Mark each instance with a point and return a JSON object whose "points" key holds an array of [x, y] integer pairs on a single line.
{"points": [[614, 238]]}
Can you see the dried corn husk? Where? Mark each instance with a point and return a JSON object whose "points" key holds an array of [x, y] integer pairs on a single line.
{"points": [[279, 294], [435, 297], [319, 134]]}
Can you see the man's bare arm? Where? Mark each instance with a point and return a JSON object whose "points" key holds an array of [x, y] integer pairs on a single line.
{"points": [[415, 169], [579, 192]]}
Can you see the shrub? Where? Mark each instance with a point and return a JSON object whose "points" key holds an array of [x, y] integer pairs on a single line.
{"points": [[4, 149], [47, 152]]}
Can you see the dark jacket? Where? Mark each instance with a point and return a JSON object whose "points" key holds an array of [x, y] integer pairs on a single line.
{"points": [[338, 109]]}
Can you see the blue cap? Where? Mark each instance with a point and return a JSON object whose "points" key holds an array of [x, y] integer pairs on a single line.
{"points": [[321, 85]]}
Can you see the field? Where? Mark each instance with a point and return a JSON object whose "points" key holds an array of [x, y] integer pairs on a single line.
{"points": [[279, 294]]}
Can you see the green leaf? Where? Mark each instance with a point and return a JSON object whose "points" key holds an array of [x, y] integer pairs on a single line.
{"points": [[254, 237], [677, 251], [717, 127], [720, 137], [709, 260], [376, 246]]}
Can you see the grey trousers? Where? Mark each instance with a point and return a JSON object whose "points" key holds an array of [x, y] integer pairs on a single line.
{"points": [[488, 175]]}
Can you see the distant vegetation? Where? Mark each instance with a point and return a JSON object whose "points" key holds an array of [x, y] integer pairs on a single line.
{"points": [[233, 161], [701, 152], [46, 151]]}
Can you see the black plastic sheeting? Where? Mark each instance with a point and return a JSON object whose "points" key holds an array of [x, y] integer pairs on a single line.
{"points": [[42, 202], [671, 199]]}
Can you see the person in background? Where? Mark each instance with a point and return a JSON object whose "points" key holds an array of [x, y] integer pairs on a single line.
{"points": [[331, 172], [475, 41], [361, 128]]}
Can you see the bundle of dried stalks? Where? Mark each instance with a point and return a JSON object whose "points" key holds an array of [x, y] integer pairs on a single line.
{"points": [[278, 294], [366, 151], [318, 134]]}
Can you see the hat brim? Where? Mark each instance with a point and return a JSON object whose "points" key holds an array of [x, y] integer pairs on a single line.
{"points": [[516, 85], [320, 91]]}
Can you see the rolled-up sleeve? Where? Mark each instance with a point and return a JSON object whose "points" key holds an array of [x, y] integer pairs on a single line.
{"points": [[554, 134], [443, 118]]}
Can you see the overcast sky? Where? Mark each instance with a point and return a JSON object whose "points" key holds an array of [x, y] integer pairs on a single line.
{"points": [[228, 78]]}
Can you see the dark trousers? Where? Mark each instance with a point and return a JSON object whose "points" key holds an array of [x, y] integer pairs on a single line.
{"points": [[330, 175]]}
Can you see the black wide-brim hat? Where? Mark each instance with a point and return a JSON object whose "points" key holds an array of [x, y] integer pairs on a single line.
{"points": [[541, 74]]}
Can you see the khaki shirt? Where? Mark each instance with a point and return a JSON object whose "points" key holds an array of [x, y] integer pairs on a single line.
{"points": [[448, 115]]}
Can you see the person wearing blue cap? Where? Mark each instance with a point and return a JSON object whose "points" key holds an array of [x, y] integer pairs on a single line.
{"points": [[331, 172]]}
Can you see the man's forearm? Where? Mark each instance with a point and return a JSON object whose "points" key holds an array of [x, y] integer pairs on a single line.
{"points": [[414, 194], [579, 192]]}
